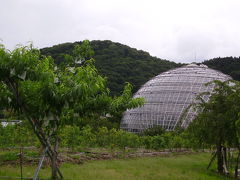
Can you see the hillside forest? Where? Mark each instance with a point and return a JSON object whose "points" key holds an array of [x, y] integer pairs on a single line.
{"points": [[121, 63]]}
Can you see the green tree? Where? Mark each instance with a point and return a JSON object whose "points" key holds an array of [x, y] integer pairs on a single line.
{"points": [[215, 123], [48, 96]]}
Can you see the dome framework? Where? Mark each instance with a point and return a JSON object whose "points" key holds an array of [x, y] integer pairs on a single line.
{"points": [[168, 95]]}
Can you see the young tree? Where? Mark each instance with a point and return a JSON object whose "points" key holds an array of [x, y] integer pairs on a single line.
{"points": [[45, 94], [216, 121]]}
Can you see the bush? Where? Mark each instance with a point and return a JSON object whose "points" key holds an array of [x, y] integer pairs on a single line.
{"points": [[69, 137], [154, 131], [87, 137], [158, 142], [73, 137], [103, 137], [17, 135]]}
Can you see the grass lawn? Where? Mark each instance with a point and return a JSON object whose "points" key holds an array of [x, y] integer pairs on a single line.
{"points": [[175, 167]]}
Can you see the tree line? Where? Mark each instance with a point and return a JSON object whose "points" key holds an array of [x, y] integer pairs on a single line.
{"points": [[228, 65]]}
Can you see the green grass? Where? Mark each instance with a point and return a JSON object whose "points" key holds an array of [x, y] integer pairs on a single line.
{"points": [[9, 156], [13, 155], [177, 167]]}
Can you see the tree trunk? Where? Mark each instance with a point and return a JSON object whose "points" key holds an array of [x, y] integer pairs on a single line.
{"points": [[237, 161], [55, 158], [219, 158], [225, 163], [225, 156], [54, 166], [52, 149], [229, 158]]}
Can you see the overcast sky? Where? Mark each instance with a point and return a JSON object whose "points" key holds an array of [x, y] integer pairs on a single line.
{"points": [[177, 30]]}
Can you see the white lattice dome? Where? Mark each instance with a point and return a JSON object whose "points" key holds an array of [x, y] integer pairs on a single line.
{"points": [[168, 95]]}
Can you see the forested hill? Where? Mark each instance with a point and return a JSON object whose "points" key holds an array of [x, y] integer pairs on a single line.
{"points": [[118, 62], [227, 65]]}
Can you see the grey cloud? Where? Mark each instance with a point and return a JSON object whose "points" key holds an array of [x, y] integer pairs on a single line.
{"points": [[171, 29]]}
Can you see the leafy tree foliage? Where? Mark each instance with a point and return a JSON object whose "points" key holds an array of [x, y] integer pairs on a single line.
{"points": [[119, 63], [49, 96]]}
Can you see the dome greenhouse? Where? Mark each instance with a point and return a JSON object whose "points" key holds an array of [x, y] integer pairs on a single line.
{"points": [[168, 95]]}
